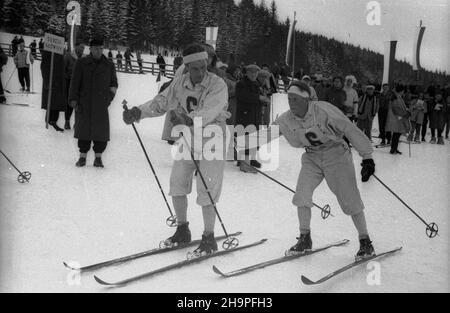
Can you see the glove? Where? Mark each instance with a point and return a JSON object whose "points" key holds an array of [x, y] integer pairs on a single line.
{"points": [[180, 118], [75, 106], [368, 169], [131, 116]]}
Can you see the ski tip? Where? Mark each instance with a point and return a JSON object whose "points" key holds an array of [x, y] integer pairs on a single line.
{"points": [[70, 267], [217, 271], [102, 282], [307, 281]]}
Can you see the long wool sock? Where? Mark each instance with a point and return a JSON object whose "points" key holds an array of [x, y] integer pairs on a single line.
{"points": [[360, 223], [304, 217]]}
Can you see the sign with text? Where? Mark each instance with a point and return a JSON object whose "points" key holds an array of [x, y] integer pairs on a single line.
{"points": [[54, 43]]}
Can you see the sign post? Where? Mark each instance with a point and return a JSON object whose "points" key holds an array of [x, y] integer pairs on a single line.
{"points": [[53, 44], [211, 36]]}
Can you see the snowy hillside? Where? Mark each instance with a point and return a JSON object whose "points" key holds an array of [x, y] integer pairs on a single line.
{"points": [[89, 215]]}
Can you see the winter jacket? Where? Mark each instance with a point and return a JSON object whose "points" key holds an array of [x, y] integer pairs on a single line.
{"points": [[23, 59], [417, 108], [398, 117], [59, 87], [90, 87], [368, 109], [248, 105], [438, 115], [337, 98]]}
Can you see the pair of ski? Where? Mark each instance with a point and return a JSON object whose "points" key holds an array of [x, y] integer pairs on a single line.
{"points": [[156, 251], [305, 280]]}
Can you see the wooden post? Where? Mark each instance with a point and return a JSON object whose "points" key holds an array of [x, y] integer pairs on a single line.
{"points": [[49, 98]]}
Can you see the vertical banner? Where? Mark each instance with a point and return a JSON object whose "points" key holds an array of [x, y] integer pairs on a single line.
{"points": [[289, 40], [74, 21], [211, 36], [420, 30], [389, 58]]}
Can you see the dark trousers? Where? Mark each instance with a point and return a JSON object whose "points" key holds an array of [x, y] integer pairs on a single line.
{"points": [[128, 64], [424, 125], [69, 109], [53, 116], [439, 132], [382, 117], [2, 92], [85, 146], [24, 77], [395, 141]]}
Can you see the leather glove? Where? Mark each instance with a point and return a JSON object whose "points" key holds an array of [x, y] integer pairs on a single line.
{"points": [[132, 115], [180, 118], [368, 169]]}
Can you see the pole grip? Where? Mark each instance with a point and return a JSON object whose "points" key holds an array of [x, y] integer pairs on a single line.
{"points": [[125, 107]]}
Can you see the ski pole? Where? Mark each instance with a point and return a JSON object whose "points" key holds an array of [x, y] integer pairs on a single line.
{"points": [[23, 176], [6, 86], [230, 242], [172, 219], [432, 228], [326, 210]]}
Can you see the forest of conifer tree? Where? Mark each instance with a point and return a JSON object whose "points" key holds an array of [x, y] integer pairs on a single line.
{"points": [[252, 32]]}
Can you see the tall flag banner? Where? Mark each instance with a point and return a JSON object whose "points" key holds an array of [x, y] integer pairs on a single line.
{"points": [[74, 21], [289, 40], [389, 58], [420, 30], [211, 36]]}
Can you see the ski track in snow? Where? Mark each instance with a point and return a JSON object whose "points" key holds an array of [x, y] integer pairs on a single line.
{"points": [[89, 215]]}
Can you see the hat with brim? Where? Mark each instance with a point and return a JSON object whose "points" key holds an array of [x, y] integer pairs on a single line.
{"points": [[96, 42], [253, 67]]}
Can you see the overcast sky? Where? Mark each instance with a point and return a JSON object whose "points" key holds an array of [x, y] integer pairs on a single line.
{"points": [[346, 20]]}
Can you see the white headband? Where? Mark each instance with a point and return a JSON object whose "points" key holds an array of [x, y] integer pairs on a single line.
{"points": [[195, 57], [296, 90]]}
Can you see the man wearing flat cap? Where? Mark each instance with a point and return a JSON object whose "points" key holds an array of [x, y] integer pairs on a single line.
{"points": [[92, 88], [249, 104]]}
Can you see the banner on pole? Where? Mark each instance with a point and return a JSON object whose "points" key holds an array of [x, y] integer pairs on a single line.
{"points": [[389, 58], [416, 49], [211, 36], [54, 44], [289, 40]]}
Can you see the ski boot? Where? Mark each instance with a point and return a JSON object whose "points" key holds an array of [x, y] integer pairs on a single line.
{"points": [[440, 141], [246, 168], [255, 164], [208, 245], [304, 244], [81, 162], [433, 140], [182, 236], [365, 249], [98, 162]]}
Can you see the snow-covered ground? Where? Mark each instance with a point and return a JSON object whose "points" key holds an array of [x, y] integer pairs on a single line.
{"points": [[89, 215]]}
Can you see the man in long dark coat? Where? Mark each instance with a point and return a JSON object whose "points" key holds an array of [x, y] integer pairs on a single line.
{"points": [[93, 87], [58, 101], [248, 110]]}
